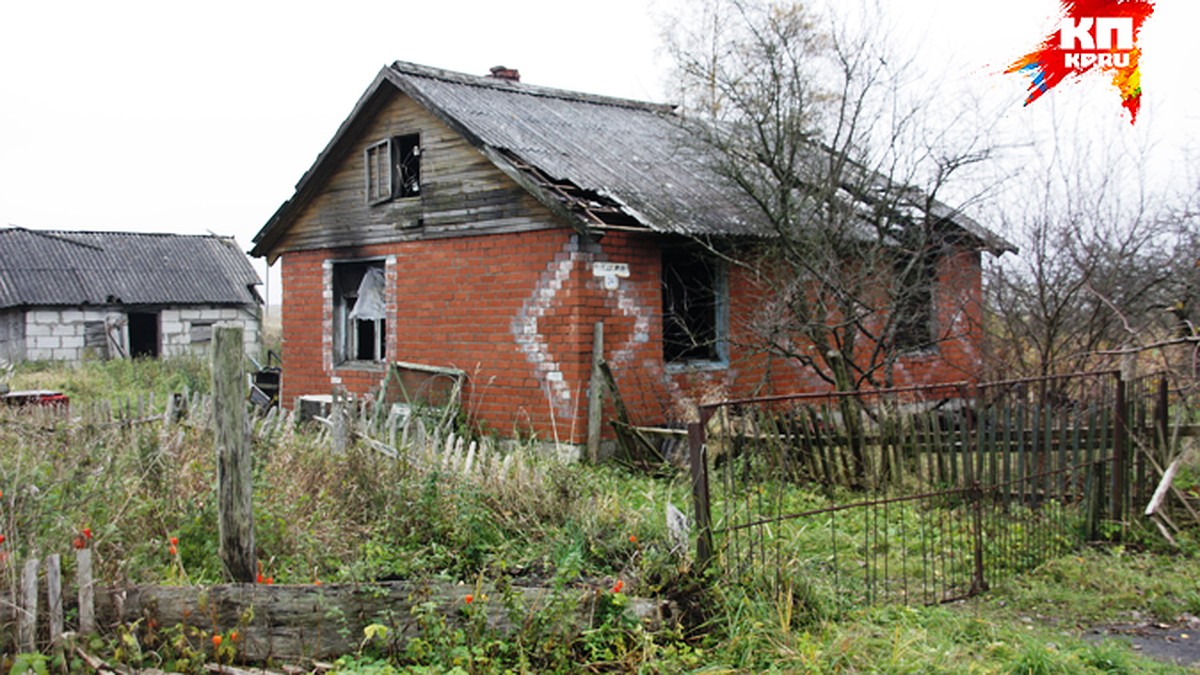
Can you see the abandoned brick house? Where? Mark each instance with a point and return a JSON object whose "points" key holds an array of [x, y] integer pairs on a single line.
{"points": [[67, 296], [484, 224]]}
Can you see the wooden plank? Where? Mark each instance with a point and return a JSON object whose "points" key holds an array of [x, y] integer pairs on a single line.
{"points": [[235, 521], [1164, 485], [27, 621], [87, 592], [54, 598], [304, 622], [595, 394]]}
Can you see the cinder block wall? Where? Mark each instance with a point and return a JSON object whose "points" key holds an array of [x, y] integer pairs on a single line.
{"points": [[59, 334]]}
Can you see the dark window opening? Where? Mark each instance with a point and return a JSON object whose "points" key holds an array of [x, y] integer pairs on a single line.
{"points": [[914, 323], [360, 308], [393, 169], [694, 306], [406, 166], [143, 335]]}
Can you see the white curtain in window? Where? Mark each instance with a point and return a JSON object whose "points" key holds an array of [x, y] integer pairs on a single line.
{"points": [[370, 305]]}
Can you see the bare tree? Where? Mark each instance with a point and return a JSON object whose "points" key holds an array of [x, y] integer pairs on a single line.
{"points": [[1108, 265], [816, 125]]}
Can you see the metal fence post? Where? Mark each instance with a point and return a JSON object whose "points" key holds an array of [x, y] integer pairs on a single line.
{"points": [[978, 584], [699, 469]]}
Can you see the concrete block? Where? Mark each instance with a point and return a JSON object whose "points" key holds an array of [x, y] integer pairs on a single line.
{"points": [[65, 329], [46, 316], [72, 316], [72, 342], [39, 354], [66, 354], [33, 330], [45, 342]]}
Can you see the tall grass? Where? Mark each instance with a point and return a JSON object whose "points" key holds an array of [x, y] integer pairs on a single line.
{"points": [[359, 516]]}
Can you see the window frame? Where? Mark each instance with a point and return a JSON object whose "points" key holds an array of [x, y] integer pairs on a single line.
{"points": [[691, 257], [345, 282], [392, 169], [920, 335]]}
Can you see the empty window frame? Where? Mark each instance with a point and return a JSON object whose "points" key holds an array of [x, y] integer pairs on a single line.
{"points": [[695, 307], [393, 168], [915, 279], [360, 308]]}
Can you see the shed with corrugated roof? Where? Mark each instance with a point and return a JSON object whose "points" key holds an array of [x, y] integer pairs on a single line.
{"points": [[68, 295]]}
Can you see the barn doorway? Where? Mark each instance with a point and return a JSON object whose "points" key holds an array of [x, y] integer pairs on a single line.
{"points": [[143, 335]]}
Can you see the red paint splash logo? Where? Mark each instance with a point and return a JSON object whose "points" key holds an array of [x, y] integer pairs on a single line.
{"points": [[1100, 35]]}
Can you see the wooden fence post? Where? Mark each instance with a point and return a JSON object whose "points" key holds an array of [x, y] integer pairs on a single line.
{"points": [[235, 522], [1120, 470], [27, 625], [54, 598], [87, 592], [700, 501], [595, 395]]}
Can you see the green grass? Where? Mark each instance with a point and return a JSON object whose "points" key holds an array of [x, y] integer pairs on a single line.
{"points": [[358, 516]]}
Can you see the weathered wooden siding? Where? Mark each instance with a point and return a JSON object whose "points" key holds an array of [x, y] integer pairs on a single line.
{"points": [[461, 192]]}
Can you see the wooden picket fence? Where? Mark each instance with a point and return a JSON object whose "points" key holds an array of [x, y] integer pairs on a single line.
{"points": [[41, 606]]}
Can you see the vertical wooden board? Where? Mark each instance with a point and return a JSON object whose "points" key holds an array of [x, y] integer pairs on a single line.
{"points": [[1023, 444], [1006, 458], [595, 394], [87, 591], [1077, 438], [1047, 463], [54, 598], [27, 623], [235, 523]]}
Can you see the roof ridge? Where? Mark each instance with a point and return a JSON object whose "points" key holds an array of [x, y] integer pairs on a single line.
{"points": [[58, 235], [419, 70]]}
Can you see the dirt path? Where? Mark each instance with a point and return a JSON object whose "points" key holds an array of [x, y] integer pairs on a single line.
{"points": [[1177, 643]]}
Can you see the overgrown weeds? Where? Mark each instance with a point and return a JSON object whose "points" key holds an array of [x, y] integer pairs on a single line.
{"points": [[146, 493]]}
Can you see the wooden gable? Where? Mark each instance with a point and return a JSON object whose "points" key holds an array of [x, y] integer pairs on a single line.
{"points": [[461, 191]]}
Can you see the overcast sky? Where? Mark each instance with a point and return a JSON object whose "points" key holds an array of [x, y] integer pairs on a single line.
{"points": [[194, 117]]}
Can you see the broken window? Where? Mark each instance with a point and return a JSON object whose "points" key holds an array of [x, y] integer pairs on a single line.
{"points": [[360, 311], [393, 168], [95, 338], [695, 302], [913, 301]]}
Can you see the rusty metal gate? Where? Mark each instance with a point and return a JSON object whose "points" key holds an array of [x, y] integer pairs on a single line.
{"points": [[925, 494]]}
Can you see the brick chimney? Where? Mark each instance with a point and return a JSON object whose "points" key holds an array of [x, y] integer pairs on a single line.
{"points": [[502, 73]]}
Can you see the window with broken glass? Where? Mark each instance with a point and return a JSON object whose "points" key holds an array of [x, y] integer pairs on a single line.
{"points": [[393, 168], [359, 312], [915, 279], [695, 307]]}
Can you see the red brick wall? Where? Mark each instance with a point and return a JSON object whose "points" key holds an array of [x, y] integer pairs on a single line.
{"points": [[655, 394], [516, 312]]}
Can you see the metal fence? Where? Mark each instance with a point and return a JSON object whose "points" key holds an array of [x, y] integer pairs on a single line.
{"points": [[926, 494]]}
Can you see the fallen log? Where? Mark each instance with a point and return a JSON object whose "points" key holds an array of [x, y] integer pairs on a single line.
{"points": [[287, 623]]}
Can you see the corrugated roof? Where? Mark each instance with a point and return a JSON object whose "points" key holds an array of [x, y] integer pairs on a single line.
{"points": [[58, 268], [634, 153], [590, 154]]}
